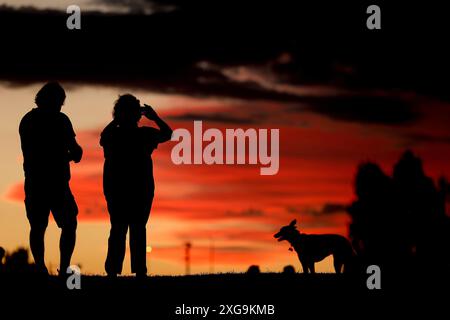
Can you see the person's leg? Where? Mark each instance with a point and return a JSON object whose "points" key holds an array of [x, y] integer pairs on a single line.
{"points": [[37, 233], [116, 241], [116, 248], [67, 245], [65, 211], [37, 214], [138, 248], [138, 238]]}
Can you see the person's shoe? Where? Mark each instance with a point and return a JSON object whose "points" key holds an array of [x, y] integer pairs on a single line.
{"points": [[41, 274], [141, 276], [62, 274], [41, 270], [111, 276]]}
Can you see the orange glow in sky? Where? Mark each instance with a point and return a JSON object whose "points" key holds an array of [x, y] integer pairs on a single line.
{"points": [[229, 209]]}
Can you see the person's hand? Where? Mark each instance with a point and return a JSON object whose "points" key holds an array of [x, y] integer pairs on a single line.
{"points": [[149, 112]]}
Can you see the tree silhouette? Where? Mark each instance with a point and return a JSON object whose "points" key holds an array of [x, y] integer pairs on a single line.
{"points": [[399, 220]]}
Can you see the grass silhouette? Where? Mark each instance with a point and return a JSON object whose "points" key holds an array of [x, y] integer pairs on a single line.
{"points": [[329, 295]]}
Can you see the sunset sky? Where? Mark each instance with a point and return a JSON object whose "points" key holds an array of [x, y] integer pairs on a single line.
{"points": [[338, 99]]}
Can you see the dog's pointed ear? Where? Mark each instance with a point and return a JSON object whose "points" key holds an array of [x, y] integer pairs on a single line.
{"points": [[293, 223]]}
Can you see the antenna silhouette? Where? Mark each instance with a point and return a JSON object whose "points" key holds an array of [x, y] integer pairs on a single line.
{"points": [[211, 255], [187, 257]]}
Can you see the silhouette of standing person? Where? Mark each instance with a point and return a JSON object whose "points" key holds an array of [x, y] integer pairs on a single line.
{"points": [[48, 145], [128, 183]]}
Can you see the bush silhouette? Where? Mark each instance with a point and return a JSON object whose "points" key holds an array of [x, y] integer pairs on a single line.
{"points": [[289, 270], [253, 270], [399, 220], [18, 262]]}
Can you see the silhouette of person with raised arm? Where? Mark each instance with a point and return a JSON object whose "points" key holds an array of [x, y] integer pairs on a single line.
{"points": [[128, 183], [48, 145]]}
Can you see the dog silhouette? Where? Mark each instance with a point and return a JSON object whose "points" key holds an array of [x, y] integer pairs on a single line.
{"points": [[312, 248]]}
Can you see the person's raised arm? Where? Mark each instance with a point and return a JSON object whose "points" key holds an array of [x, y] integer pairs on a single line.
{"points": [[165, 130]]}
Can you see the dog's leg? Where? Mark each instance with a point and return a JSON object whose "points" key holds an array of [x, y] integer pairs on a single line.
{"points": [[305, 267], [312, 268], [337, 264]]}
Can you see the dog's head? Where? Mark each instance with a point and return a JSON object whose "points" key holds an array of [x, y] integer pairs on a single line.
{"points": [[287, 232]]}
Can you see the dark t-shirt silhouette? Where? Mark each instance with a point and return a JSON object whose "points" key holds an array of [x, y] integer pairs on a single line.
{"points": [[128, 168], [48, 145], [46, 136]]}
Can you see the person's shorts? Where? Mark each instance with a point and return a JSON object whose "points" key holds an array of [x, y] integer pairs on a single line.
{"points": [[43, 198]]}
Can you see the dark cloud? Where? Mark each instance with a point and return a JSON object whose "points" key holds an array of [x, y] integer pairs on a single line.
{"points": [[331, 208], [246, 213], [212, 117], [366, 109], [325, 210], [352, 108], [162, 51], [138, 6], [427, 138]]}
